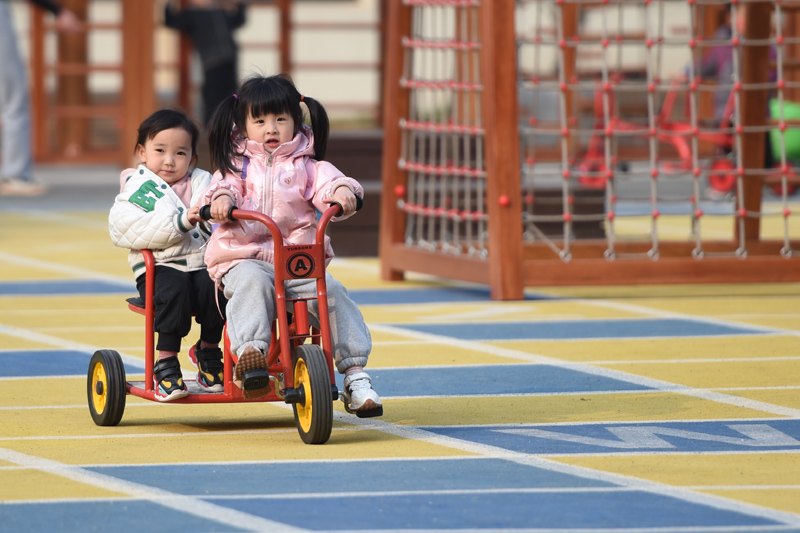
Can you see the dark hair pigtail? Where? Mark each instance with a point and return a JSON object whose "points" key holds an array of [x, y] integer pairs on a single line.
{"points": [[220, 136], [319, 125]]}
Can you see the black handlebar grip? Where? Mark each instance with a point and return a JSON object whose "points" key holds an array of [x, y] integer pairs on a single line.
{"points": [[359, 205], [205, 212]]}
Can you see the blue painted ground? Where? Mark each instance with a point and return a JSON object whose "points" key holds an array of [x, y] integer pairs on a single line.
{"points": [[581, 329], [104, 516], [490, 510], [679, 437], [62, 287], [384, 494], [488, 493], [361, 297], [497, 379], [493, 510], [433, 381], [325, 478], [34, 363], [431, 295]]}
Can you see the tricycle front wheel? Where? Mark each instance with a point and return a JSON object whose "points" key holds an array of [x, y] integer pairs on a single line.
{"points": [[313, 415], [105, 387]]}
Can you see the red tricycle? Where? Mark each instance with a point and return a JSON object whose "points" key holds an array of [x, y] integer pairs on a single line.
{"points": [[300, 373]]}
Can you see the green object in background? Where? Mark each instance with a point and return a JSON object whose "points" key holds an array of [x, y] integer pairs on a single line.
{"points": [[791, 111]]}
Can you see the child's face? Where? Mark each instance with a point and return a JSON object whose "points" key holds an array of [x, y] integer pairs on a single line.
{"points": [[271, 130], [168, 154]]}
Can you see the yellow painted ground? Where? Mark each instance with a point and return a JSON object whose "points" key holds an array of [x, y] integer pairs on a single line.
{"points": [[48, 418], [727, 471], [637, 293], [709, 375], [711, 227], [775, 311], [427, 354], [783, 397], [483, 312], [560, 409], [661, 349], [29, 484], [781, 499], [280, 442]]}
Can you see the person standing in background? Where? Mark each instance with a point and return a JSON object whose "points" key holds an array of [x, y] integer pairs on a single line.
{"points": [[210, 25], [16, 154]]}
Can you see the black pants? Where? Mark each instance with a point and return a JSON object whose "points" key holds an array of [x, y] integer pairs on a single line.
{"points": [[176, 296], [218, 83]]}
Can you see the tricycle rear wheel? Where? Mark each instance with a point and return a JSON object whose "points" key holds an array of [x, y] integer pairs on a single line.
{"points": [[105, 387], [314, 416]]}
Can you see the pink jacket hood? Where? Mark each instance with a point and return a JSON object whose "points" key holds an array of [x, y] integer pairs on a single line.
{"points": [[287, 185]]}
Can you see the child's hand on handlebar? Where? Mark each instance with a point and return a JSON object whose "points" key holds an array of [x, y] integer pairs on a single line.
{"points": [[194, 214], [220, 208], [346, 198]]}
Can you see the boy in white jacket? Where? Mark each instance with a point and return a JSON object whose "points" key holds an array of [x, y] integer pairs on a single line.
{"points": [[157, 210]]}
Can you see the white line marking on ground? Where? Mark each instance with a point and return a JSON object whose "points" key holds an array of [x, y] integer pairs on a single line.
{"points": [[744, 487], [63, 269], [154, 435], [698, 360], [186, 504], [61, 343], [761, 315], [483, 450], [554, 466], [659, 313], [598, 371], [485, 312]]}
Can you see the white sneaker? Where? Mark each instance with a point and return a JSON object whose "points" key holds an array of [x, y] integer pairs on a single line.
{"points": [[20, 187], [363, 399]]}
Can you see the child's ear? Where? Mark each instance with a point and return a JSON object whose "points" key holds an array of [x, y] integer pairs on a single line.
{"points": [[140, 151]]}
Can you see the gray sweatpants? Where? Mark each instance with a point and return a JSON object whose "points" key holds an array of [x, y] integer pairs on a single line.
{"points": [[250, 289], [15, 119]]}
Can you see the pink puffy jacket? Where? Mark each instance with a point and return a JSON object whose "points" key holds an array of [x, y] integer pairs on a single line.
{"points": [[287, 185]]}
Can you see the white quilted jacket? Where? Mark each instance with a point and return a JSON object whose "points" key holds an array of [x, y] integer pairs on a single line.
{"points": [[148, 214]]}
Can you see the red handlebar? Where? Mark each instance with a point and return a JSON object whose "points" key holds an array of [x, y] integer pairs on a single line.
{"points": [[334, 210]]}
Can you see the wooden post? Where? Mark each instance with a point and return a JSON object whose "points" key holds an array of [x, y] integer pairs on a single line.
{"points": [[382, 26], [504, 198], [39, 125], [73, 88], [285, 25], [755, 69], [569, 23], [184, 69], [138, 66], [395, 106]]}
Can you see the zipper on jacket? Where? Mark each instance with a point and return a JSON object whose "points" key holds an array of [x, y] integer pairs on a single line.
{"points": [[268, 187]]}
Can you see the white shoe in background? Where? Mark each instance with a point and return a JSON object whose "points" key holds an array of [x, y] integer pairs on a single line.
{"points": [[21, 187]]}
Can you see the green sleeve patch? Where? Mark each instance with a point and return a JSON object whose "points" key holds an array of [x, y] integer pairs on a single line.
{"points": [[146, 196]]}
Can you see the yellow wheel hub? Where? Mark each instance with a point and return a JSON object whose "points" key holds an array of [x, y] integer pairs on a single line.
{"points": [[301, 379], [99, 399]]}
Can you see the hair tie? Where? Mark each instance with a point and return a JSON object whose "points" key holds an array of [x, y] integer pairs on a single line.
{"points": [[235, 96], [301, 97]]}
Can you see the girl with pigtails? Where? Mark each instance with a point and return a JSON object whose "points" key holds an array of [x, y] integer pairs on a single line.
{"points": [[268, 160]]}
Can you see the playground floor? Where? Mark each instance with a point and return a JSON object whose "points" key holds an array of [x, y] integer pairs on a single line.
{"points": [[602, 409]]}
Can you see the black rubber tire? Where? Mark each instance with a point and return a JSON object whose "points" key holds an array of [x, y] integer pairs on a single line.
{"points": [[314, 420], [105, 388]]}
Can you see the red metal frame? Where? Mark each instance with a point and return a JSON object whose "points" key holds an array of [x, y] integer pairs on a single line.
{"points": [[286, 335]]}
